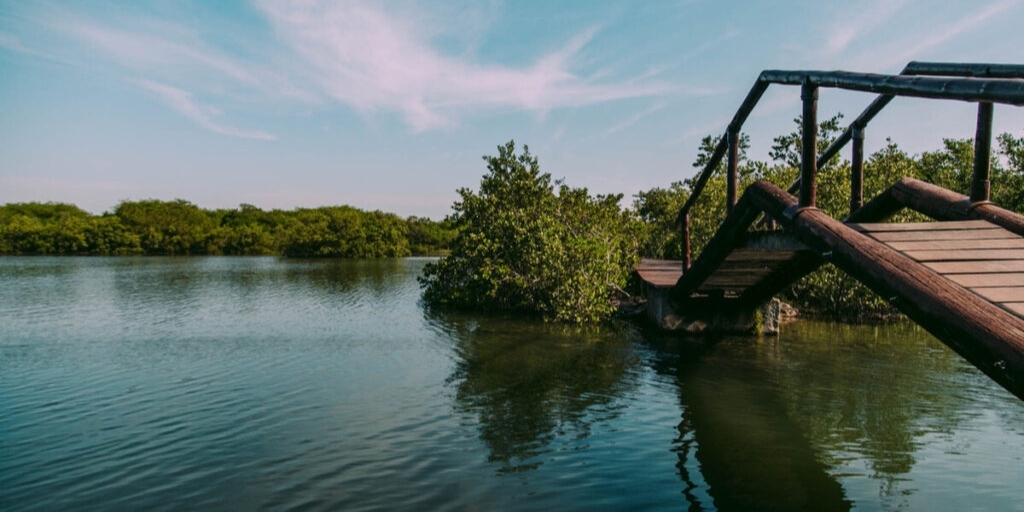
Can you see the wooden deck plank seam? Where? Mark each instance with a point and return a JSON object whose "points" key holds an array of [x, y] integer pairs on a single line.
{"points": [[989, 265]]}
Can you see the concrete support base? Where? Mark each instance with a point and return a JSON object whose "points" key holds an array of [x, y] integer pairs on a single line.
{"points": [[712, 316]]}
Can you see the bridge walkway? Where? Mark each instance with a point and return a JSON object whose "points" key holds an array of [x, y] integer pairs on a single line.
{"points": [[960, 277]]}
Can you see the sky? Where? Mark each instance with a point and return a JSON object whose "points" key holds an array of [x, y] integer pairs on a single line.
{"points": [[390, 105]]}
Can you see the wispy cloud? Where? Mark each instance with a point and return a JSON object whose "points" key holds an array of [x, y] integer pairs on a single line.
{"points": [[634, 118], [168, 50], [370, 57], [916, 44], [372, 60], [848, 28], [11, 43], [181, 102], [729, 33], [943, 34], [714, 128], [127, 47], [148, 51]]}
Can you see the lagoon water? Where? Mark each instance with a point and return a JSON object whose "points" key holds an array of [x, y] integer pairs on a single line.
{"points": [[275, 384]]}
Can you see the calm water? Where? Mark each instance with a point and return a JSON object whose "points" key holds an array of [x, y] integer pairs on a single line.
{"points": [[261, 383]]}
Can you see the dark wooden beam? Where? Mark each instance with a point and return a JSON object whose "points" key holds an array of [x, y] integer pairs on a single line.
{"points": [[980, 184], [977, 70], [983, 333], [994, 90], [685, 235], [857, 171], [1009, 220], [939, 204], [732, 169], [912, 69], [753, 96], [729, 236], [809, 145], [878, 209], [935, 202], [781, 278]]}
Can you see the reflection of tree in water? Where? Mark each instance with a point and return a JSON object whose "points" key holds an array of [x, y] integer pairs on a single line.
{"points": [[332, 276], [165, 285], [862, 392], [529, 383]]}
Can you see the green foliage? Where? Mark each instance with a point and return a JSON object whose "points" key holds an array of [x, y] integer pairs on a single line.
{"points": [[522, 246], [787, 149], [429, 238], [657, 209], [178, 227], [61, 229], [1008, 180], [46, 213], [250, 231], [346, 232], [167, 227], [950, 167], [106, 235]]}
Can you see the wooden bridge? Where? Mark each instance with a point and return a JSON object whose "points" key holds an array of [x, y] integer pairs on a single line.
{"points": [[961, 277]]}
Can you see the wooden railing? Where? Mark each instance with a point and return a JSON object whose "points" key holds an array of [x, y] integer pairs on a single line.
{"points": [[985, 84]]}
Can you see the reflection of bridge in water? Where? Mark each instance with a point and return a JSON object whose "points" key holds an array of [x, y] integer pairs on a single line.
{"points": [[961, 277], [828, 417], [737, 437]]}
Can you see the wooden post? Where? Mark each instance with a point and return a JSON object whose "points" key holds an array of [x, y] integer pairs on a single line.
{"points": [[685, 234], [857, 171], [809, 141], [732, 179], [980, 185]]}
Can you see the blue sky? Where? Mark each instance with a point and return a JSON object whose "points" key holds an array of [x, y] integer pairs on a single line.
{"points": [[390, 105]]}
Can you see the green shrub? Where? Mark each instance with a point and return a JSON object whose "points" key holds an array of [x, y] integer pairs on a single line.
{"points": [[527, 244]]}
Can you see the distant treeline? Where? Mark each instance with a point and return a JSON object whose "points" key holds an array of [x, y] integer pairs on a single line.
{"points": [[178, 227]]}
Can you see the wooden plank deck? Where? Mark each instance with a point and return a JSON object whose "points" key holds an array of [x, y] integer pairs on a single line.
{"points": [[743, 268], [660, 273], [977, 255], [980, 256]]}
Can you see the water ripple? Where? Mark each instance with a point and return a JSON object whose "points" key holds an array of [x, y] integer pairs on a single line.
{"points": [[269, 384]]}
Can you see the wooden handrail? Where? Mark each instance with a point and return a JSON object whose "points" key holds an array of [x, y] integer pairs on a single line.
{"points": [[914, 68], [983, 83], [993, 90], [964, 69], [742, 113]]}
